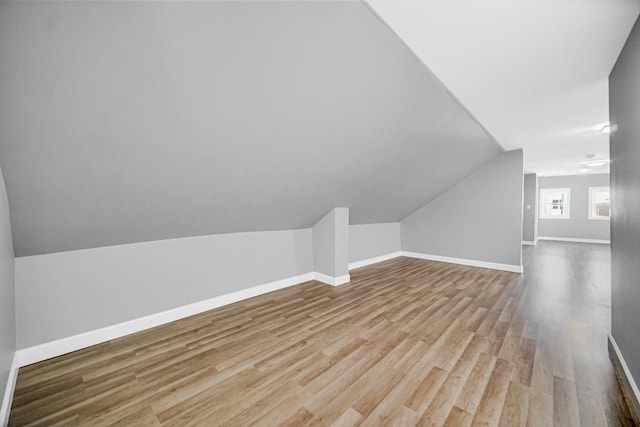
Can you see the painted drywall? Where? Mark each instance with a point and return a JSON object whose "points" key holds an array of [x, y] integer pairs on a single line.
{"points": [[63, 294], [331, 243], [624, 106], [578, 226], [324, 242], [530, 208], [478, 219], [7, 297], [373, 240], [125, 122], [341, 251]]}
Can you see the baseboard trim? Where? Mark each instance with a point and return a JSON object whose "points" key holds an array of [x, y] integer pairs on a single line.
{"points": [[528, 243], [5, 409], [65, 345], [630, 388], [374, 260], [462, 261], [575, 240], [330, 280]]}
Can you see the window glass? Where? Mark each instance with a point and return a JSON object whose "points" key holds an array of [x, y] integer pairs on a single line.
{"points": [[599, 203], [555, 203]]}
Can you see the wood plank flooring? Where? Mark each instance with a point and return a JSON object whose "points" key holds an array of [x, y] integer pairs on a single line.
{"points": [[407, 342]]}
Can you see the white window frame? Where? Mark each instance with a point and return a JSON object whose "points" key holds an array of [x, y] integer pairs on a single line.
{"points": [[591, 215], [567, 203]]}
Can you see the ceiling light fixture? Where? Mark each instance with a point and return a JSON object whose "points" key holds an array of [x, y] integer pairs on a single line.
{"points": [[596, 164], [583, 170]]}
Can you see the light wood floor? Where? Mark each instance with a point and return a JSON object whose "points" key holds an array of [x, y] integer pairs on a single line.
{"points": [[406, 342]]}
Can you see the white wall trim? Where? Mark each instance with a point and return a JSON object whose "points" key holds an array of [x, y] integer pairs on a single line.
{"points": [[529, 243], [65, 345], [8, 392], [631, 385], [575, 240], [330, 280], [469, 262], [374, 260]]}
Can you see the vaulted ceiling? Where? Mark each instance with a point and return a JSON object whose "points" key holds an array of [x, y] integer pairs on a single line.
{"points": [[533, 72], [124, 122]]}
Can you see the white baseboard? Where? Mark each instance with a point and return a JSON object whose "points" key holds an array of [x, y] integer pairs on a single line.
{"points": [[529, 243], [374, 260], [65, 345], [469, 262], [461, 261], [62, 346], [9, 389], [330, 280], [632, 388], [575, 240]]}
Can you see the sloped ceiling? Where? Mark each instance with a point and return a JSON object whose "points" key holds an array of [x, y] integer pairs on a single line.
{"points": [[125, 122], [534, 72]]}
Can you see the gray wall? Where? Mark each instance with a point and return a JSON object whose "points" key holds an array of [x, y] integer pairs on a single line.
{"points": [[579, 226], [342, 242], [124, 122], [7, 298], [66, 293], [324, 244], [479, 219], [624, 110], [530, 208], [372, 240], [331, 243]]}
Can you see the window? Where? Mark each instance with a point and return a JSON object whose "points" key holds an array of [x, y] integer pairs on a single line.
{"points": [[599, 203], [555, 203]]}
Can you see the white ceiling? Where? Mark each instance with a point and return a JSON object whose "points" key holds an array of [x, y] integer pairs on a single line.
{"points": [[533, 72]]}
